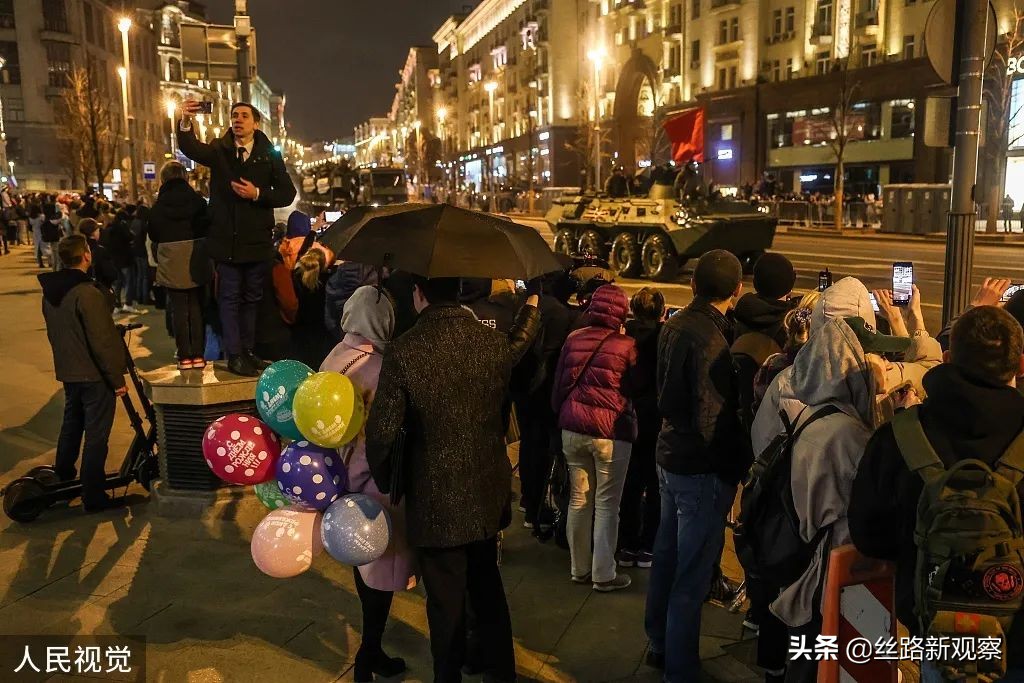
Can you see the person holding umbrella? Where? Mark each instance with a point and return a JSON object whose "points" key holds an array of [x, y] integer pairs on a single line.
{"points": [[436, 430]]}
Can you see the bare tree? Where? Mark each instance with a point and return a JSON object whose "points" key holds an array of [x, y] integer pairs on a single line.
{"points": [[840, 120], [1001, 110], [89, 126], [587, 137]]}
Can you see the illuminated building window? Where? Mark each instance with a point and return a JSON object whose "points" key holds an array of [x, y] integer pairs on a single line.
{"points": [[908, 46], [822, 63], [869, 55], [695, 9]]}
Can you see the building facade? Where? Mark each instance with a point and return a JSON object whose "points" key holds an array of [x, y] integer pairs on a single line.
{"points": [[44, 45], [508, 91]]}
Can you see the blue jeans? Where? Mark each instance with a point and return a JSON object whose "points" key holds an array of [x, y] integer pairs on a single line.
{"points": [[239, 292], [689, 543]]}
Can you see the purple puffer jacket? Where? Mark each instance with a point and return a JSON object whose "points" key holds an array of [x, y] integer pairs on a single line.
{"points": [[600, 404]]}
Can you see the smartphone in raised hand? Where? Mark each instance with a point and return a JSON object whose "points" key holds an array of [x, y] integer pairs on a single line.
{"points": [[902, 282], [824, 280]]}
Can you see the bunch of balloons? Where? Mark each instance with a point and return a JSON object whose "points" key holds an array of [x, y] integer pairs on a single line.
{"points": [[303, 484]]}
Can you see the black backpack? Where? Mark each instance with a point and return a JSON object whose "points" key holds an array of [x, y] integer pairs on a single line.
{"points": [[767, 535]]}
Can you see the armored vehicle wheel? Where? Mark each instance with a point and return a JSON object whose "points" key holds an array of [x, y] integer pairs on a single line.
{"points": [[660, 262], [625, 255], [565, 242], [592, 242]]}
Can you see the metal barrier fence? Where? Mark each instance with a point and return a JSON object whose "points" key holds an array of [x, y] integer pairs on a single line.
{"points": [[811, 214]]}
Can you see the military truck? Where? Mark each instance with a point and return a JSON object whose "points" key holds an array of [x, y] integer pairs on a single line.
{"points": [[653, 236]]}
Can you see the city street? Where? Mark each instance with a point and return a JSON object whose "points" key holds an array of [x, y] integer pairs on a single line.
{"points": [[190, 588], [868, 258]]}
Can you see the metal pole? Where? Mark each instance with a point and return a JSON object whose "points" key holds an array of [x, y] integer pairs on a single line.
{"points": [[971, 23], [243, 67], [597, 128], [128, 119]]}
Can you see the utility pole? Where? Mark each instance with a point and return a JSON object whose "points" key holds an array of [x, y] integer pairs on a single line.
{"points": [[243, 29], [969, 57], [124, 25]]}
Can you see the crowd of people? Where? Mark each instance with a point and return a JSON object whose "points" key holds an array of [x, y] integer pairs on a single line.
{"points": [[637, 429]]}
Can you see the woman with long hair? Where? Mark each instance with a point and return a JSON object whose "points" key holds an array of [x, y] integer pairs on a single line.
{"points": [[310, 342]]}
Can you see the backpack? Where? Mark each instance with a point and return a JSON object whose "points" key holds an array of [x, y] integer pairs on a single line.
{"points": [[767, 535], [969, 538]]}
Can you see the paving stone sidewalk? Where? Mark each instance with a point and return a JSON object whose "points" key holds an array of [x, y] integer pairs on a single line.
{"points": [[190, 588]]}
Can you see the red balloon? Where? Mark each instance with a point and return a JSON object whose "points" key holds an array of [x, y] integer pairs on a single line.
{"points": [[241, 449]]}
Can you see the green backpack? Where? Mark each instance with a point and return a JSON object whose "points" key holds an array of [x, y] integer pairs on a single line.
{"points": [[969, 578]]}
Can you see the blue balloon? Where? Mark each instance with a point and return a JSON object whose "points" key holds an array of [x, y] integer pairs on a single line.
{"points": [[310, 476], [275, 392], [356, 530]]}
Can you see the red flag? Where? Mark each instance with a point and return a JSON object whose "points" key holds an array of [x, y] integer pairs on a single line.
{"points": [[686, 133]]}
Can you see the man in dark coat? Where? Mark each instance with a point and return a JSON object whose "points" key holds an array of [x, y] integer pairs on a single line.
{"points": [[248, 180], [445, 381], [702, 454], [89, 359], [973, 410]]}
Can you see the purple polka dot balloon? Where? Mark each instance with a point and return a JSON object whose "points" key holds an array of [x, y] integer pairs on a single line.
{"points": [[310, 476]]}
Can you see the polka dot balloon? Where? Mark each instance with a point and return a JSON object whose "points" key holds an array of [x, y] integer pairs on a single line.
{"points": [[310, 476], [241, 449]]}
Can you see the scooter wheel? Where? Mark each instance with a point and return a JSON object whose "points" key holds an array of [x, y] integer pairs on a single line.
{"points": [[23, 500], [44, 474]]}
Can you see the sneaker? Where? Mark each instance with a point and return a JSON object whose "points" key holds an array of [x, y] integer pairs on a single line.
{"points": [[750, 622], [644, 559], [625, 558], [655, 660], [527, 524], [618, 583], [581, 579]]}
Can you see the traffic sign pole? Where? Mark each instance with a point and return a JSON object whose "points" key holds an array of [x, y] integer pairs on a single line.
{"points": [[970, 56]]}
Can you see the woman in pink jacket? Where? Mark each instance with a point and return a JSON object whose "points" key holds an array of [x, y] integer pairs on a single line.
{"points": [[369, 321]]}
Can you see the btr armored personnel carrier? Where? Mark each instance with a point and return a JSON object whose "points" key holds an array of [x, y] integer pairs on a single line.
{"points": [[655, 235]]}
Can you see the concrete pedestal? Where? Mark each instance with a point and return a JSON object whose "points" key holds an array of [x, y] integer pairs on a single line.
{"points": [[186, 402]]}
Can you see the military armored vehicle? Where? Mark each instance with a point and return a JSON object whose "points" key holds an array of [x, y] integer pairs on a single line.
{"points": [[653, 236]]}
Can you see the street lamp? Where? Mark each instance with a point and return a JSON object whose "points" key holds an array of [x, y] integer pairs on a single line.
{"points": [[124, 24], [490, 87], [243, 29], [596, 56], [171, 108], [3, 131]]}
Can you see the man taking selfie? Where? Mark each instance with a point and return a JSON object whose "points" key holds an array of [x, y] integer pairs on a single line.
{"points": [[248, 180]]}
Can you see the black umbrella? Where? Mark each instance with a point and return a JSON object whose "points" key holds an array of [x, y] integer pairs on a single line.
{"points": [[337, 234], [441, 240]]}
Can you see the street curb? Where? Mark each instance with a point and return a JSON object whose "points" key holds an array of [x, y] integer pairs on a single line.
{"points": [[980, 238]]}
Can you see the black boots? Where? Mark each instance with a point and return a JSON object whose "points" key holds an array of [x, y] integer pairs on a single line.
{"points": [[370, 662]]}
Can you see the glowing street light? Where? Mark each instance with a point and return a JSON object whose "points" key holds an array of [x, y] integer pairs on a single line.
{"points": [[124, 24], [597, 56]]}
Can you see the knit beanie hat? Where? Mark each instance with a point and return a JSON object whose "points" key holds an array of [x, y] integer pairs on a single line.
{"points": [[774, 276], [298, 224]]}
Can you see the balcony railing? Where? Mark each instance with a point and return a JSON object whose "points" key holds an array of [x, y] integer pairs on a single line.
{"points": [[719, 4], [822, 29], [674, 29]]}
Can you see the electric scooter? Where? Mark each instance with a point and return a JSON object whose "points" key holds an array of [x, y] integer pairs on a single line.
{"points": [[27, 497]]}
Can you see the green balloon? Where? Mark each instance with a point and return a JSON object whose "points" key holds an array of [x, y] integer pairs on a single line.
{"points": [[270, 495]]}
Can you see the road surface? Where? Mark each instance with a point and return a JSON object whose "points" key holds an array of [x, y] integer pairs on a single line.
{"points": [[868, 259]]}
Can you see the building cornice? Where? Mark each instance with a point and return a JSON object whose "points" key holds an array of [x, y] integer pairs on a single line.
{"points": [[484, 19]]}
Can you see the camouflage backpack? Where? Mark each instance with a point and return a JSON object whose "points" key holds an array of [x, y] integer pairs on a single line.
{"points": [[969, 577]]}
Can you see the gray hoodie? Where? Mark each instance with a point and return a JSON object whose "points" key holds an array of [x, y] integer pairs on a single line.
{"points": [[831, 369]]}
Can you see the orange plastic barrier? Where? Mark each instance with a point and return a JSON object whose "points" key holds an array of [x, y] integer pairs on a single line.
{"points": [[860, 603]]}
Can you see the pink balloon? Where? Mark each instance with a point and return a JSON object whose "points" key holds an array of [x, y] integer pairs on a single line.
{"points": [[286, 541], [241, 449]]}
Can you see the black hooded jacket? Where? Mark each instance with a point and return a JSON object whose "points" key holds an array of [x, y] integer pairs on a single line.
{"points": [[241, 231], [755, 313], [962, 418], [86, 345]]}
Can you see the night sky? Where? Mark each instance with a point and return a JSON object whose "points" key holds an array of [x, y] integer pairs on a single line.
{"points": [[337, 60]]}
